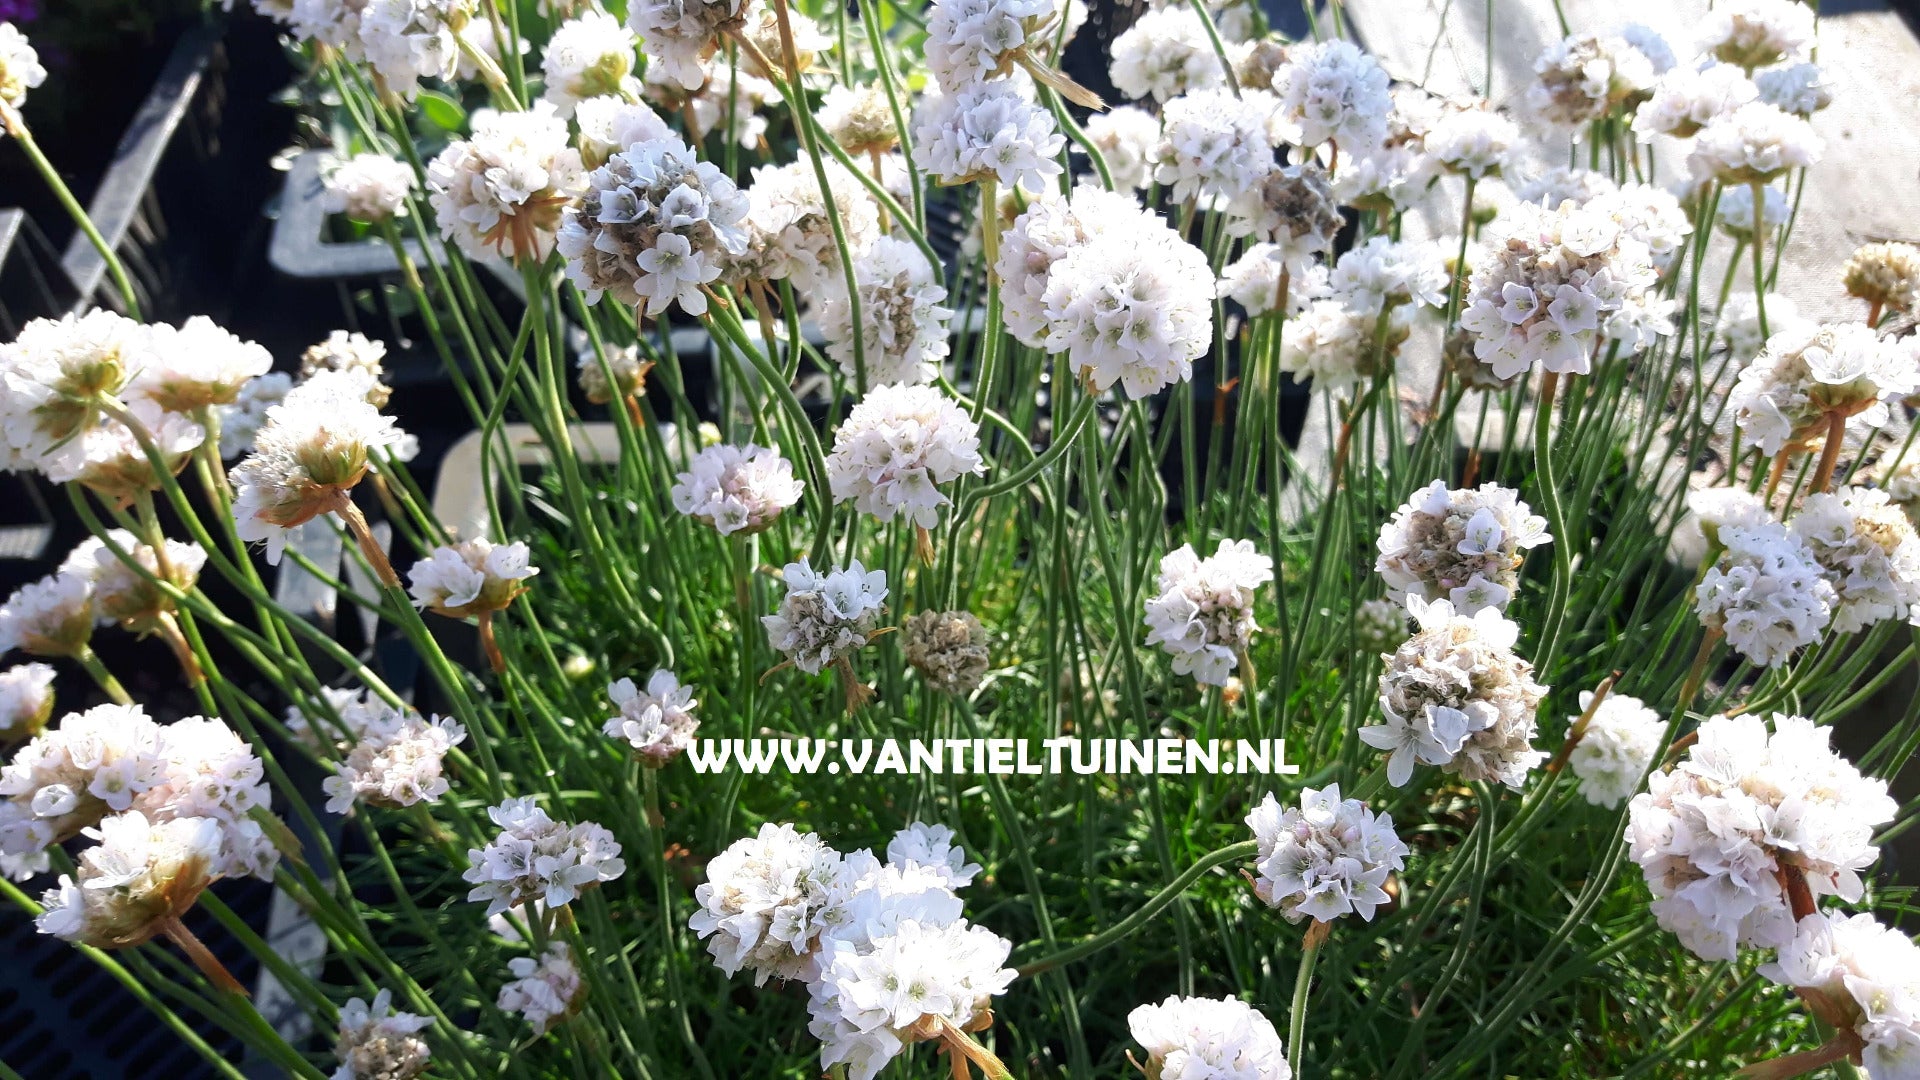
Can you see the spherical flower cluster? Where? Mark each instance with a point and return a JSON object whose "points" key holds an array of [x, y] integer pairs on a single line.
{"points": [[1380, 625], [142, 875], [917, 981], [122, 595], [1865, 974], [397, 761], [1383, 273], [49, 617], [653, 227], [1755, 33], [1553, 283], [1739, 322], [948, 649], [1474, 141], [68, 778], [1551, 187], [825, 617], [536, 858], [1767, 593], [20, 67], [1734, 214], [471, 577], [1463, 545], [971, 41], [1329, 858], [1800, 89], [1688, 99], [1869, 551], [859, 118], [790, 233], [1713, 833], [628, 370], [766, 902], [1335, 93], [195, 366], [896, 446], [110, 460], [1884, 275], [1717, 508], [546, 990], [1253, 281], [1753, 144], [1127, 138], [1586, 76], [678, 34], [658, 722], [1213, 146], [55, 374], [1202, 612], [241, 421], [502, 191], [1651, 216], [1049, 228], [1164, 54], [315, 446], [1208, 1039], [378, 1043], [352, 354], [736, 488], [26, 701], [989, 130], [1621, 738], [924, 847], [610, 123], [1808, 374], [209, 771], [367, 187], [1338, 347], [588, 56], [1455, 695], [903, 328]]}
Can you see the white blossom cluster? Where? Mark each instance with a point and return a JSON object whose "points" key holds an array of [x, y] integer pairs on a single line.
{"points": [[1455, 695], [972, 41], [536, 858], [658, 722], [545, 989], [367, 187], [501, 191], [20, 67], [50, 617], [991, 130], [654, 226], [1800, 89], [1339, 347], [1213, 147], [1753, 144], [1734, 215], [1688, 99], [1128, 138], [610, 123], [897, 446], [910, 980], [1767, 593], [1474, 140], [678, 35], [1384, 273], [1865, 972], [1335, 93], [1586, 76], [1808, 373], [1331, 857], [588, 56], [903, 328], [1755, 33], [1253, 281], [140, 874], [736, 489], [789, 232], [1869, 551], [824, 618], [122, 595], [1049, 228], [242, 420], [54, 374], [68, 777], [1738, 323], [1202, 612], [1196, 1038], [316, 444], [626, 366], [398, 759], [26, 701], [1380, 624], [110, 460], [1554, 283], [208, 771], [1712, 833], [471, 577], [194, 366], [409, 40], [1621, 738], [1164, 54], [376, 1042], [1464, 545], [1552, 186]]}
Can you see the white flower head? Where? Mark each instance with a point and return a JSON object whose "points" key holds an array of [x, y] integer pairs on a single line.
{"points": [[352, 354], [1755, 33], [139, 876], [1128, 138], [1472, 140], [1253, 281], [20, 67], [241, 421], [1335, 93], [398, 760], [766, 901], [1202, 613], [1710, 833], [903, 328], [736, 488], [368, 187], [1753, 144], [26, 701], [918, 982], [627, 368], [1586, 76], [536, 858], [195, 366], [991, 129], [55, 375], [1716, 508], [678, 35], [50, 617], [1381, 624], [470, 577], [1767, 593], [971, 41], [1384, 273], [1800, 89], [1464, 545], [1339, 347], [790, 233], [610, 123], [1164, 54], [1688, 99], [931, 847], [209, 771], [378, 1043], [64, 780], [122, 595], [1863, 971], [824, 618], [897, 446], [1807, 374], [410, 40], [1869, 551], [110, 460], [314, 447], [1213, 147], [1455, 695], [1734, 214], [1621, 738], [658, 722], [501, 191], [1050, 227], [1739, 321], [1208, 1039], [588, 56], [1331, 857], [545, 989], [859, 118]]}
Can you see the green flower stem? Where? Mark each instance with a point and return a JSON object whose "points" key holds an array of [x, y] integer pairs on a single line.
{"points": [[1144, 914], [101, 676], [1303, 982], [16, 126]]}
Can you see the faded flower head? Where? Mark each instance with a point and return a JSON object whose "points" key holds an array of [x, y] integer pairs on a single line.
{"points": [[1621, 738], [736, 488], [1586, 76], [471, 577], [536, 858], [588, 56], [140, 875], [26, 701], [824, 618], [1808, 374], [1335, 93], [545, 989], [1464, 545], [1455, 695], [123, 595], [658, 722], [1164, 54], [1292, 207], [1753, 144], [897, 446], [1202, 613], [1884, 275], [1869, 551], [49, 617], [367, 187], [988, 130], [1712, 832], [1208, 1039], [903, 328], [628, 369], [1326, 859], [948, 648], [397, 760], [1767, 593], [378, 1043], [501, 191]]}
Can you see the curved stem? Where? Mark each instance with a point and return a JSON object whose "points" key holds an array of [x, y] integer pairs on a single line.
{"points": [[102, 676], [16, 126], [1141, 916]]}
